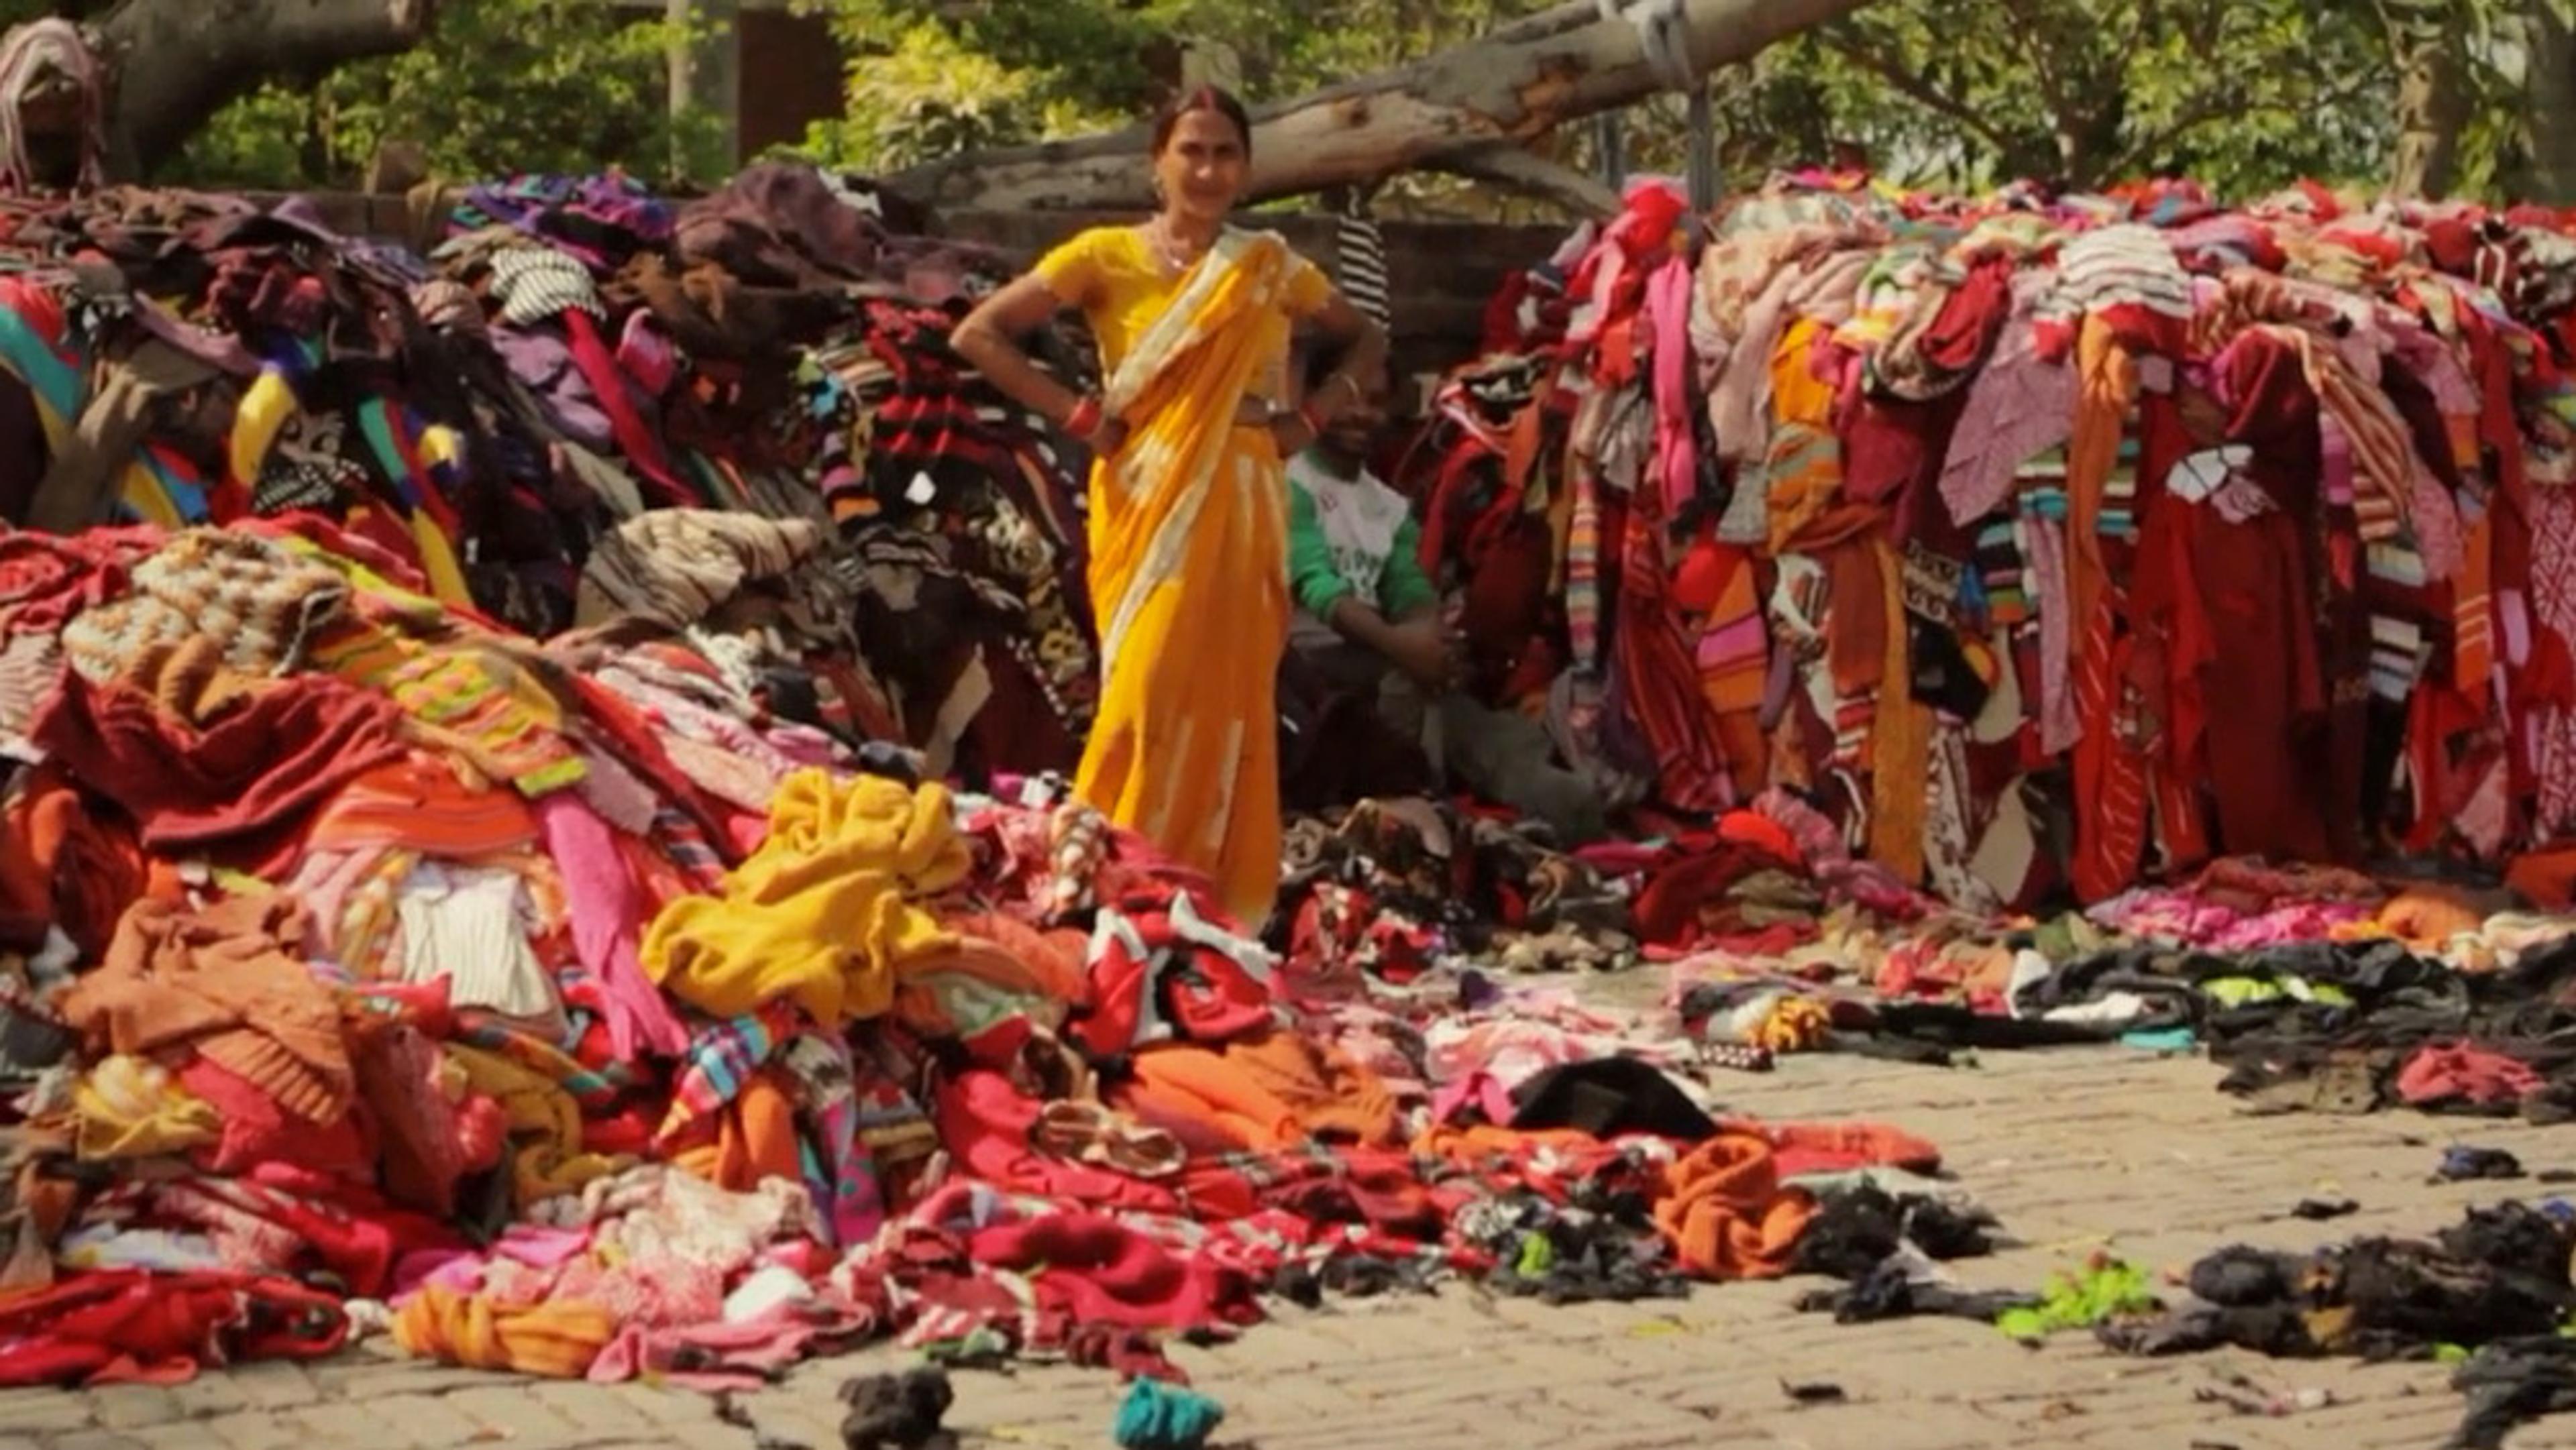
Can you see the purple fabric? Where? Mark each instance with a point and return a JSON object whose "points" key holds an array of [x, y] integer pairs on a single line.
{"points": [[542, 362]]}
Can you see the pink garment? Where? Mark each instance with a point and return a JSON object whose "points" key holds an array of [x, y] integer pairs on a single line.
{"points": [[2180, 915], [1479, 1090], [2043, 543], [462, 1270], [2018, 407], [2461, 1073], [2432, 362], [2435, 519], [605, 909], [2553, 589], [2334, 460], [323, 883], [1668, 304]]}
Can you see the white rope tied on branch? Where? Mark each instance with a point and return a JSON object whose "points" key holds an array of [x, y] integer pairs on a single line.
{"points": [[1663, 32]]}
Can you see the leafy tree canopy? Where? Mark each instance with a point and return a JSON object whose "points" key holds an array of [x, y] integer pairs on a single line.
{"points": [[2246, 95]]}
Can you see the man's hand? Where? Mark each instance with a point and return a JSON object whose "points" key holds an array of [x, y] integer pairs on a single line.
{"points": [[1420, 650]]}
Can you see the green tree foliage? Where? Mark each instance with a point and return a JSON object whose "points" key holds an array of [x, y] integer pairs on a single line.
{"points": [[2244, 95], [500, 86], [928, 77]]}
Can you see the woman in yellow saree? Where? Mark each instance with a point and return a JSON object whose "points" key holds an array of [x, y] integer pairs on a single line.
{"points": [[1188, 504]]}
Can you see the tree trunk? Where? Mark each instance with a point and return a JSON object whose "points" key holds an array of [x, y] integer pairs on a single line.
{"points": [[176, 62], [2432, 96], [2549, 111], [705, 63], [1506, 89]]}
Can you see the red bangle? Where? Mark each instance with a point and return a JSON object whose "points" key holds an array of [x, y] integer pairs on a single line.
{"points": [[1314, 424], [1084, 420]]}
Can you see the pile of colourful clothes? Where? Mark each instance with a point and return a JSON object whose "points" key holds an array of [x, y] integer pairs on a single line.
{"points": [[2319, 988], [573, 355], [2047, 544], [597, 1006]]}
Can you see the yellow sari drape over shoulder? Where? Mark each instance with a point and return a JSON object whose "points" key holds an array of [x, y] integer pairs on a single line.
{"points": [[1189, 575]]}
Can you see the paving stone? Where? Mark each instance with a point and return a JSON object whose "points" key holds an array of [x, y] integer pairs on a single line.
{"points": [[357, 1378], [274, 1384], [135, 1407], [609, 1411], [518, 1419], [256, 1430], [427, 1421], [45, 1413], [209, 1395], [93, 1440]]}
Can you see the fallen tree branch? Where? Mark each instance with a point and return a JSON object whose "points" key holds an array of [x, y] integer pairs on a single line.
{"points": [[1508, 88], [175, 63]]}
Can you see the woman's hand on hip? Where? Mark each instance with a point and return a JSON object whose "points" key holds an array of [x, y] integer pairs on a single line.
{"points": [[1290, 434]]}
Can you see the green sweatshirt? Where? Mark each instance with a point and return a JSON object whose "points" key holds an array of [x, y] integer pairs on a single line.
{"points": [[1352, 536]]}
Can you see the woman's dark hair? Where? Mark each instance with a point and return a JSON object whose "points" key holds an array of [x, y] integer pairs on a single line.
{"points": [[1203, 98]]}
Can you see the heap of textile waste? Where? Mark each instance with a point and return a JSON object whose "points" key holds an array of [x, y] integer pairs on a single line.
{"points": [[2320, 989], [2490, 1294], [569, 1007], [896, 544], [2047, 545]]}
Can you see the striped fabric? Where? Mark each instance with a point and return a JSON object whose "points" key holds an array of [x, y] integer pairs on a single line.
{"points": [[537, 283], [2396, 657], [2117, 265], [1999, 573], [1363, 265], [595, 1088], [721, 1059]]}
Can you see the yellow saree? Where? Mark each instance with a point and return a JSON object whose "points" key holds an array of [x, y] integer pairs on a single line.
{"points": [[1189, 548]]}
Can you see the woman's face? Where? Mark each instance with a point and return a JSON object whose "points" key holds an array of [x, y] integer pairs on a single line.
{"points": [[1201, 167]]}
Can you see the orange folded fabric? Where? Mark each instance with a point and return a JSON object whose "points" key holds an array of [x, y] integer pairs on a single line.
{"points": [[557, 1340], [1725, 1213], [1275, 1091], [753, 1139], [230, 981]]}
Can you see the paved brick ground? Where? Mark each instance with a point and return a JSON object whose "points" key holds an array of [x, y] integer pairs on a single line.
{"points": [[2076, 1150]]}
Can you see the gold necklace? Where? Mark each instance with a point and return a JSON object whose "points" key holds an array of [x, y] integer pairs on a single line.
{"points": [[1173, 253]]}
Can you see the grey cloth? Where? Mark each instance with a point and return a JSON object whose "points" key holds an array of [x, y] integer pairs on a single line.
{"points": [[1501, 755]]}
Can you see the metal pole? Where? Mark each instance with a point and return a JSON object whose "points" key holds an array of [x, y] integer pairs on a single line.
{"points": [[1703, 149], [1614, 151]]}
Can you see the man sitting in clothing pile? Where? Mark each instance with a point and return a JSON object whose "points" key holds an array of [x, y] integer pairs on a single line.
{"points": [[1369, 692]]}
